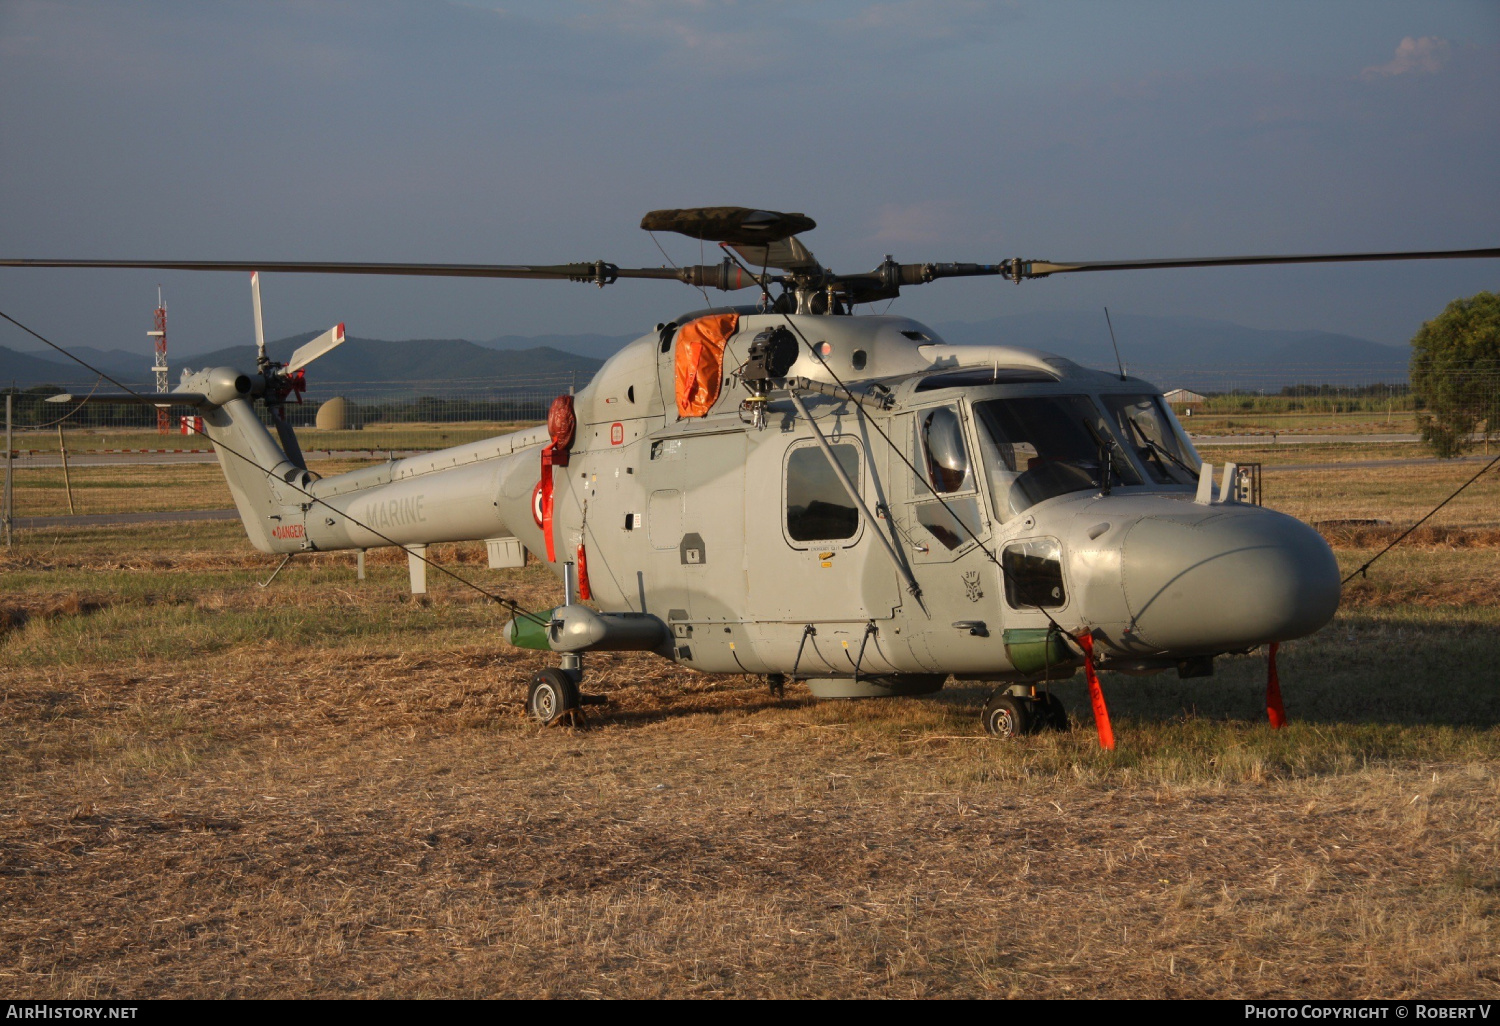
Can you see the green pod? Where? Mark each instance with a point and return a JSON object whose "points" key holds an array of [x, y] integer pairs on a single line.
{"points": [[1036, 649], [526, 633]]}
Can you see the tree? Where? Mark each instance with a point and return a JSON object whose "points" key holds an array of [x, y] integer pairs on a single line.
{"points": [[1455, 373]]}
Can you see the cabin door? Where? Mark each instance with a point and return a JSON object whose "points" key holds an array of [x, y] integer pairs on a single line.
{"points": [[695, 522]]}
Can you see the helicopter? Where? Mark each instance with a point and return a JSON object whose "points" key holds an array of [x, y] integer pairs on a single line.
{"points": [[790, 490]]}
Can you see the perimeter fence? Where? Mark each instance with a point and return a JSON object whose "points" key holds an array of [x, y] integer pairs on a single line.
{"points": [[1343, 446], [1334, 454], [360, 417]]}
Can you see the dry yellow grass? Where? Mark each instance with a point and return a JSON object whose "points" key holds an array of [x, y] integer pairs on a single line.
{"points": [[327, 788], [388, 826], [1305, 423], [1321, 483], [1397, 495]]}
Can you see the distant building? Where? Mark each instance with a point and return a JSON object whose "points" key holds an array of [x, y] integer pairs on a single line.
{"points": [[1184, 402]]}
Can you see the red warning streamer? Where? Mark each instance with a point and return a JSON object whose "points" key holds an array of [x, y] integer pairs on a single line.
{"points": [[584, 592], [1274, 708], [1096, 694]]}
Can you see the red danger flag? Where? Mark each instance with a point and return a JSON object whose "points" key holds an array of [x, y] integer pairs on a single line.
{"points": [[1096, 694], [1274, 708], [584, 593]]}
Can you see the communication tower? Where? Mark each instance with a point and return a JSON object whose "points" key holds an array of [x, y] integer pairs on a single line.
{"points": [[159, 335]]}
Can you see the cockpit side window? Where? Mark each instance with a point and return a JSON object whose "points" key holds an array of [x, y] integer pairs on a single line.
{"points": [[1146, 424], [947, 457], [948, 506], [1033, 574], [1038, 447]]}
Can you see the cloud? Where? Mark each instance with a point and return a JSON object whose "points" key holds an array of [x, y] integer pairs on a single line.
{"points": [[925, 222], [905, 20], [1425, 56]]}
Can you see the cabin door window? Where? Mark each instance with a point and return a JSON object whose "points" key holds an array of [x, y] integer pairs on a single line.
{"points": [[818, 507]]}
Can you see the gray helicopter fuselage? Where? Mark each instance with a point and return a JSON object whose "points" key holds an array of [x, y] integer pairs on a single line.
{"points": [[740, 538]]}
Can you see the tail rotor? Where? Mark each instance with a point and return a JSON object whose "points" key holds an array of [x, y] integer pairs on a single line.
{"points": [[282, 380], [261, 361]]}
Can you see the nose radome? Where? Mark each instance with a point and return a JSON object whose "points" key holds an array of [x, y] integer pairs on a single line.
{"points": [[1227, 581]]}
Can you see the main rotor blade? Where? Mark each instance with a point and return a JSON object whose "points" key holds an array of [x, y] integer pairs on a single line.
{"points": [[310, 351], [789, 254], [721, 276], [158, 399], [1042, 268]]}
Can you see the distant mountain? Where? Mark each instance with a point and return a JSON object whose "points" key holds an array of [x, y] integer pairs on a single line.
{"points": [[1170, 351], [117, 363], [381, 366], [28, 368], [1186, 351], [1193, 352], [598, 347]]}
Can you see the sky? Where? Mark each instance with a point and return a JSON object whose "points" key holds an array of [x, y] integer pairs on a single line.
{"points": [[510, 132]]}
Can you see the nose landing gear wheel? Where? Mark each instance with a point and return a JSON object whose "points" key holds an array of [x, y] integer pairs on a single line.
{"points": [[552, 697], [1007, 716]]}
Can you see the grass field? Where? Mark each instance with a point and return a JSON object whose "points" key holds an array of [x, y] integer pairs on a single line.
{"points": [[1364, 422], [1321, 483], [40, 491], [328, 788]]}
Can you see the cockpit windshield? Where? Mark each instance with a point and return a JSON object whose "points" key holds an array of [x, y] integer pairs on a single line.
{"points": [[1149, 428], [1037, 447]]}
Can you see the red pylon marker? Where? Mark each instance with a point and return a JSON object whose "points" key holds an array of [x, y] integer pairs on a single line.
{"points": [[1096, 694], [1274, 708]]}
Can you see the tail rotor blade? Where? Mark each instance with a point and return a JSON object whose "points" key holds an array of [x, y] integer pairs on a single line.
{"points": [[324, 343], [260, 332]]}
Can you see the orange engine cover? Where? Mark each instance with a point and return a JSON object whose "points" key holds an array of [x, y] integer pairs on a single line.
{"points": [[700, 362]]}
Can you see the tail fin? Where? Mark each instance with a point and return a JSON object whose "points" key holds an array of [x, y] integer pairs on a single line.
{"points": [[267, 487]]}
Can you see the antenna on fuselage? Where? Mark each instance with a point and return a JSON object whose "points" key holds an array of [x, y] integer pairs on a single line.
{"points": [[1118, 362]]}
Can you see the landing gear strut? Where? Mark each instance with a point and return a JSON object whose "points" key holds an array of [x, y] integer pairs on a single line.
{"points": [[1020, 709]]}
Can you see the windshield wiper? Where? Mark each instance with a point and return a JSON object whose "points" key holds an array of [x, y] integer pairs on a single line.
{"points": [[1157, 447]]}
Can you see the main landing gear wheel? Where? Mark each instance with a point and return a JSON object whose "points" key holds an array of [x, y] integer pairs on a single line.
{"points": [[1007, 716], [553, 695], [1011, 715]]}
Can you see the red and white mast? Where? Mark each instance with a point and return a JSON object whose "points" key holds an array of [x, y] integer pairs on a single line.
{"points": [[163, 418]]}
